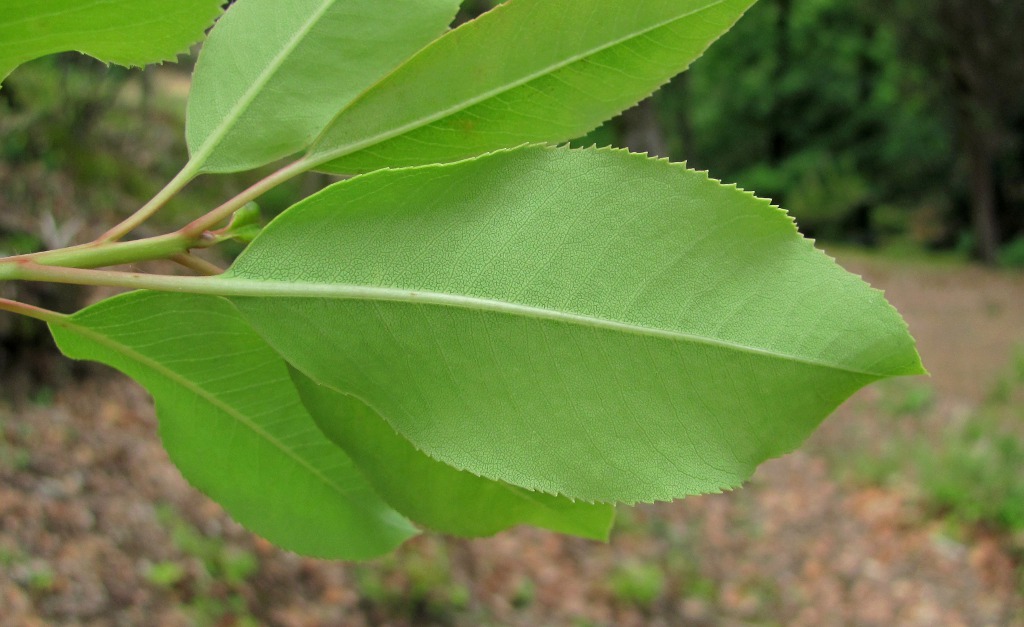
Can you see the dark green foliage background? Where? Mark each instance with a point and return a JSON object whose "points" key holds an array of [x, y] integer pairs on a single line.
{"points": [[855, 117]]}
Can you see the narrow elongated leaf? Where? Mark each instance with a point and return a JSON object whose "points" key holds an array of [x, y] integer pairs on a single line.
{"points": [[431, 493], [272, 74], [126, 32], [232, 421], [588, 323], [528, 71]]}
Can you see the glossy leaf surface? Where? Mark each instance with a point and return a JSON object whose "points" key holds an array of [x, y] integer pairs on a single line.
{"points": [[588, 323], [126, 32], [272, 74], [527, 71], [434, 494], [232, 421]]}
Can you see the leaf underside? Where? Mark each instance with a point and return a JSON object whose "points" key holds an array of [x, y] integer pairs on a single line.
{"points": [[433, 494], [272, 74], [527, 71], [234, 425], [588, 323], [125, 32]]}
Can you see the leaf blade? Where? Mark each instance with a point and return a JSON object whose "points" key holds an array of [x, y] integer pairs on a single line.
{"points": [[600, 57], [303, 62], [217, 384], [147, 31], [517, 314], [435, 495]]}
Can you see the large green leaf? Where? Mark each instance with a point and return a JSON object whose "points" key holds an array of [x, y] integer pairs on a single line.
{"points": [[434, 494], [232, 421], [126, 32], [272, 74], [588, 323], [528, 71]]}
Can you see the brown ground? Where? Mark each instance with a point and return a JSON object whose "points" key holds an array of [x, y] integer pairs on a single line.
{"points": [[97, 528]]}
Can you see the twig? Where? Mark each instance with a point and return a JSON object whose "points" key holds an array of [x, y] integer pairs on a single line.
{"points": [[197, 264], [205, 223]]}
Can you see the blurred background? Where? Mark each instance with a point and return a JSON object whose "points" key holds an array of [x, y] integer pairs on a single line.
{"points": [[893, 131]]}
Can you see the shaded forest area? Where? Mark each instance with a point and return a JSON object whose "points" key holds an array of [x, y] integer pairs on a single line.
{"points": [[873, 122]]}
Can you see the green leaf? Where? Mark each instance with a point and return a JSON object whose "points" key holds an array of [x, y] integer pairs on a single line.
{"points": [[590, 323], [126, 32], [435, 495], [527, 71], [272, 74], [232, 421]]}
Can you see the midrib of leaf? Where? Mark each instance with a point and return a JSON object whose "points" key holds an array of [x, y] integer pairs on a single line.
{"points": [[228, 286], [320, 158], [159, 368], [250, 94]]}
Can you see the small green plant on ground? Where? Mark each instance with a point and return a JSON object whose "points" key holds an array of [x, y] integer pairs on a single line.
{"points": [[12, 456], [221, 562], [912, 399], [638, 583], [165, 574], [416, 585], [213, 593], [970, 472], [973, 474], [41, 579], [481, 328], [35, 575]]}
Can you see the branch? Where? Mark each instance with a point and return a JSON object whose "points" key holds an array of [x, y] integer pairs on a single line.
{"points": [[96, 255]]}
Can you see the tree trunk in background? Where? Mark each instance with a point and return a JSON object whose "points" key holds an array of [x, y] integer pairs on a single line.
{"points": [[982, 46], [981, 167], [640, 130]]}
